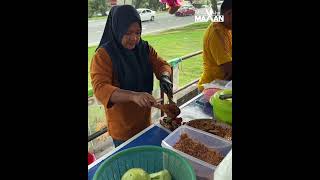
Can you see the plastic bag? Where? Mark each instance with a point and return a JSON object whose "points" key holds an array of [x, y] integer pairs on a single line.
{"points": [[220, 84], [229, 85], [224, 169], [211, 88]]}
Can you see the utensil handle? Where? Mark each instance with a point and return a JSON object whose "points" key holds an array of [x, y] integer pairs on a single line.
{"points": [[225, 96]]}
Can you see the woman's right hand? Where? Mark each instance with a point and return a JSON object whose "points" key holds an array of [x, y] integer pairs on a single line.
{"points": [[143, 99]]}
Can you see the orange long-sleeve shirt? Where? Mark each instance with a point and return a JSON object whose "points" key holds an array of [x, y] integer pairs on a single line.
{"points": [[124, 119]]}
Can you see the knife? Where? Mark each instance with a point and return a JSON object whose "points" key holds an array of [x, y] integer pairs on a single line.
{"points": [[170, 97]]}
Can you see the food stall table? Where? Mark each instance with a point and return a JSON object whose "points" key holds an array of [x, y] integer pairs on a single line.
{"points": [[196, 108]]}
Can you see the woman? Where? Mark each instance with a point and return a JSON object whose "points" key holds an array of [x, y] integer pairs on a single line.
{"points": [[217, 49], [122, 74]]}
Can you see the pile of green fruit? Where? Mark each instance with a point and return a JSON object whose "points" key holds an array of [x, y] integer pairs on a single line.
{"points": [[140, 174]]}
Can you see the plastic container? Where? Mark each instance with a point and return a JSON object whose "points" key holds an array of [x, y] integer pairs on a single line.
{"points": [[91, 158], [150, 158], [224, 170], [202, 169], [222, 109], [203, 124]]}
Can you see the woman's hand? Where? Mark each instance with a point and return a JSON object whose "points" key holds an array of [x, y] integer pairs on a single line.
{"points": [[143, 99], [166, 85]]}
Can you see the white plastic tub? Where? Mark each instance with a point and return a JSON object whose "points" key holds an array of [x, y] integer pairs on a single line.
{"points": [[203, 169]]}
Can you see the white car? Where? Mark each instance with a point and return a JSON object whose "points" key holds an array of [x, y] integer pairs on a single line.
{"points": [[146, 14]]}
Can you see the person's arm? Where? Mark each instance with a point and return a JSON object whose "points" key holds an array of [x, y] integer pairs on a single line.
{"points": [[207, 74], [159, 65], [221, 50], [162, 70], [104, 90], [227, 69], [142, 99]]}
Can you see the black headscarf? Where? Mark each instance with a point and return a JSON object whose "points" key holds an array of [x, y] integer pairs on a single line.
{"points": [[132, 67], [226, 5]]}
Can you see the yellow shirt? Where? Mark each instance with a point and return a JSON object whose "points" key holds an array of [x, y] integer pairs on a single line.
{"points": [[217, 50]]}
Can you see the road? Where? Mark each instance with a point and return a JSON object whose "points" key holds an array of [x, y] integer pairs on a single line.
{"points": [[162, 22]]}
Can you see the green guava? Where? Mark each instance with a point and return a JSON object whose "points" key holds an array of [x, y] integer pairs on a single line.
{"points": [[161, 175], [136, 174]]}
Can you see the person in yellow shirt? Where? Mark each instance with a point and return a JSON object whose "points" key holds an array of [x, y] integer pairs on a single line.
{"points": [[217, 48]]}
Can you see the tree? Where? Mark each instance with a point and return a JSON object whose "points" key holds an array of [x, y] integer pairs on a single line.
{"points": [[102, 6], [97, 6], [138, 3], [154, 5], [90, 8], [214, 5]]}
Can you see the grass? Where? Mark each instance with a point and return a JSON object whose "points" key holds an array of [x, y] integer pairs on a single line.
{"points": [[97, 18], [96, 115], [175, 43]]}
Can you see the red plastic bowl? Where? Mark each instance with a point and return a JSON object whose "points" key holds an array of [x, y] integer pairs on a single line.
{"points": [[91, 158]]}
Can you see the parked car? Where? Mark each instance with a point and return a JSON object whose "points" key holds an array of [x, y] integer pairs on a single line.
{"points": [[146, 14], [97, 14], [188, 10]]}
